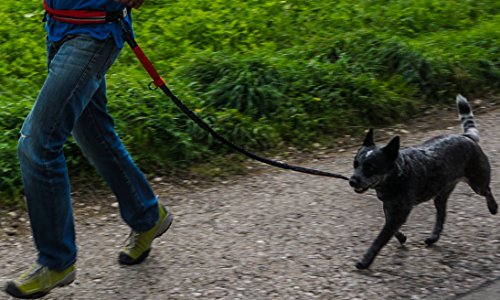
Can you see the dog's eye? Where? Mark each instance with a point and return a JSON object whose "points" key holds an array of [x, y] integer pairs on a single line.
{"points": [[356, 164]]}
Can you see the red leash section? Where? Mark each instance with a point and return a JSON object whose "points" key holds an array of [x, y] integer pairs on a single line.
{"points": [[129, 38]]}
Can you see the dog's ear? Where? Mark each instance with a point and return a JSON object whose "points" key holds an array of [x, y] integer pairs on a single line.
{"points": [[392, 149], [369, 139]]}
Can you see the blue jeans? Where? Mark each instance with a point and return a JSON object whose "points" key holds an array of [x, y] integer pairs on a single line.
{"points": [[73, 101]]}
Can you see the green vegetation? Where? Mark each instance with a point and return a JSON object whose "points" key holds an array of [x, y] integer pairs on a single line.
{"points": [[264, 73]]}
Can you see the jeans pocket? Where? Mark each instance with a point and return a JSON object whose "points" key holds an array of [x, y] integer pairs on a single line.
{"points": [[53, 47], [58, 44]]}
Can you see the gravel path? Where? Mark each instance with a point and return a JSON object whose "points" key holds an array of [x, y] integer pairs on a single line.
{"points": [[284, 235]]}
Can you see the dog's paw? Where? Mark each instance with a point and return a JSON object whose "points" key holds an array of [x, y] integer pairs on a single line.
{"points": [[360, 265], [401, 238], [493, 207], [430, 241]]}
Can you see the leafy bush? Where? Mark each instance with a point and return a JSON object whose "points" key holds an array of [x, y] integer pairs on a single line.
{"points": [[246, 83]]}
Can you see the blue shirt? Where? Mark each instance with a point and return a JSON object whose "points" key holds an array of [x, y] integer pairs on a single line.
{"points": [[58, 30]]}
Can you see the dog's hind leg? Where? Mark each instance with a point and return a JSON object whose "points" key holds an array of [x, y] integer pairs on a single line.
{"points": [[395, 217], [478, 178], [490, 200], [440, 204], [492, 204]]}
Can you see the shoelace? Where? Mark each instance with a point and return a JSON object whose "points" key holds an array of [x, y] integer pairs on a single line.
{"points": [[35, 269], [131, 239]]}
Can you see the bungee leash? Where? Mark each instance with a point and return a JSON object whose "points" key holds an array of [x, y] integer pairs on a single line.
{"points": [[161, 84], [101, 17]]}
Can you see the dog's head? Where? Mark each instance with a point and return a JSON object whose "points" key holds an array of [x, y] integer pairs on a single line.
{"points": [[372, 163]]}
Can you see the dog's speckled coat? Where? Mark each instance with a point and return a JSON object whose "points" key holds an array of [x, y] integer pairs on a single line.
{"points": [[404, 178]]}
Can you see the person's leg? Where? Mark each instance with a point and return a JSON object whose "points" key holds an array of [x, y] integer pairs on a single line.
{"points": [[76, 67], [94, 133], [76, 70]]}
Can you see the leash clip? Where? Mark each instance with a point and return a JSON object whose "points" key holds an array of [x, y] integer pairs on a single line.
{"points": [[152, 86]]}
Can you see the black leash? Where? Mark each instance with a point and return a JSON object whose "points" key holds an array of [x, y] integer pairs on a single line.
{"points": [[160, 83]]}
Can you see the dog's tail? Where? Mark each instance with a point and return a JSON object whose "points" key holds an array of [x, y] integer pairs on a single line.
{"points": [[467, 118]]}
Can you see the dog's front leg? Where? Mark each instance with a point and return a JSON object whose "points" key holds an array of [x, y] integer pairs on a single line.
{"points": [[399, 235], [395, 217]]}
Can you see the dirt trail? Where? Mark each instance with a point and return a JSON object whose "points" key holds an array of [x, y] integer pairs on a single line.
{"points": [[285, 235]]}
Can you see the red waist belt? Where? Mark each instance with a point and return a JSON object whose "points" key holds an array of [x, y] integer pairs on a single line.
{"points": [[81, 17]]}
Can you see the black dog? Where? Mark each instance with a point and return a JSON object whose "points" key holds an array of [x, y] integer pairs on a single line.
{"points": [[404, 178]]}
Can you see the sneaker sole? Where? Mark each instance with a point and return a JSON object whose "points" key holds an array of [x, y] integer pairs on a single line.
{"points": [[12, 289], [124, 259]]}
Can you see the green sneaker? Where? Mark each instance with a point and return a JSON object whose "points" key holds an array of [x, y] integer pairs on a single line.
{"points": [[139, 243], [38, 281]]}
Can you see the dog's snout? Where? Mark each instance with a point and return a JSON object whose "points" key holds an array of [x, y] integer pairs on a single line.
{"points": [[354, 181]]}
